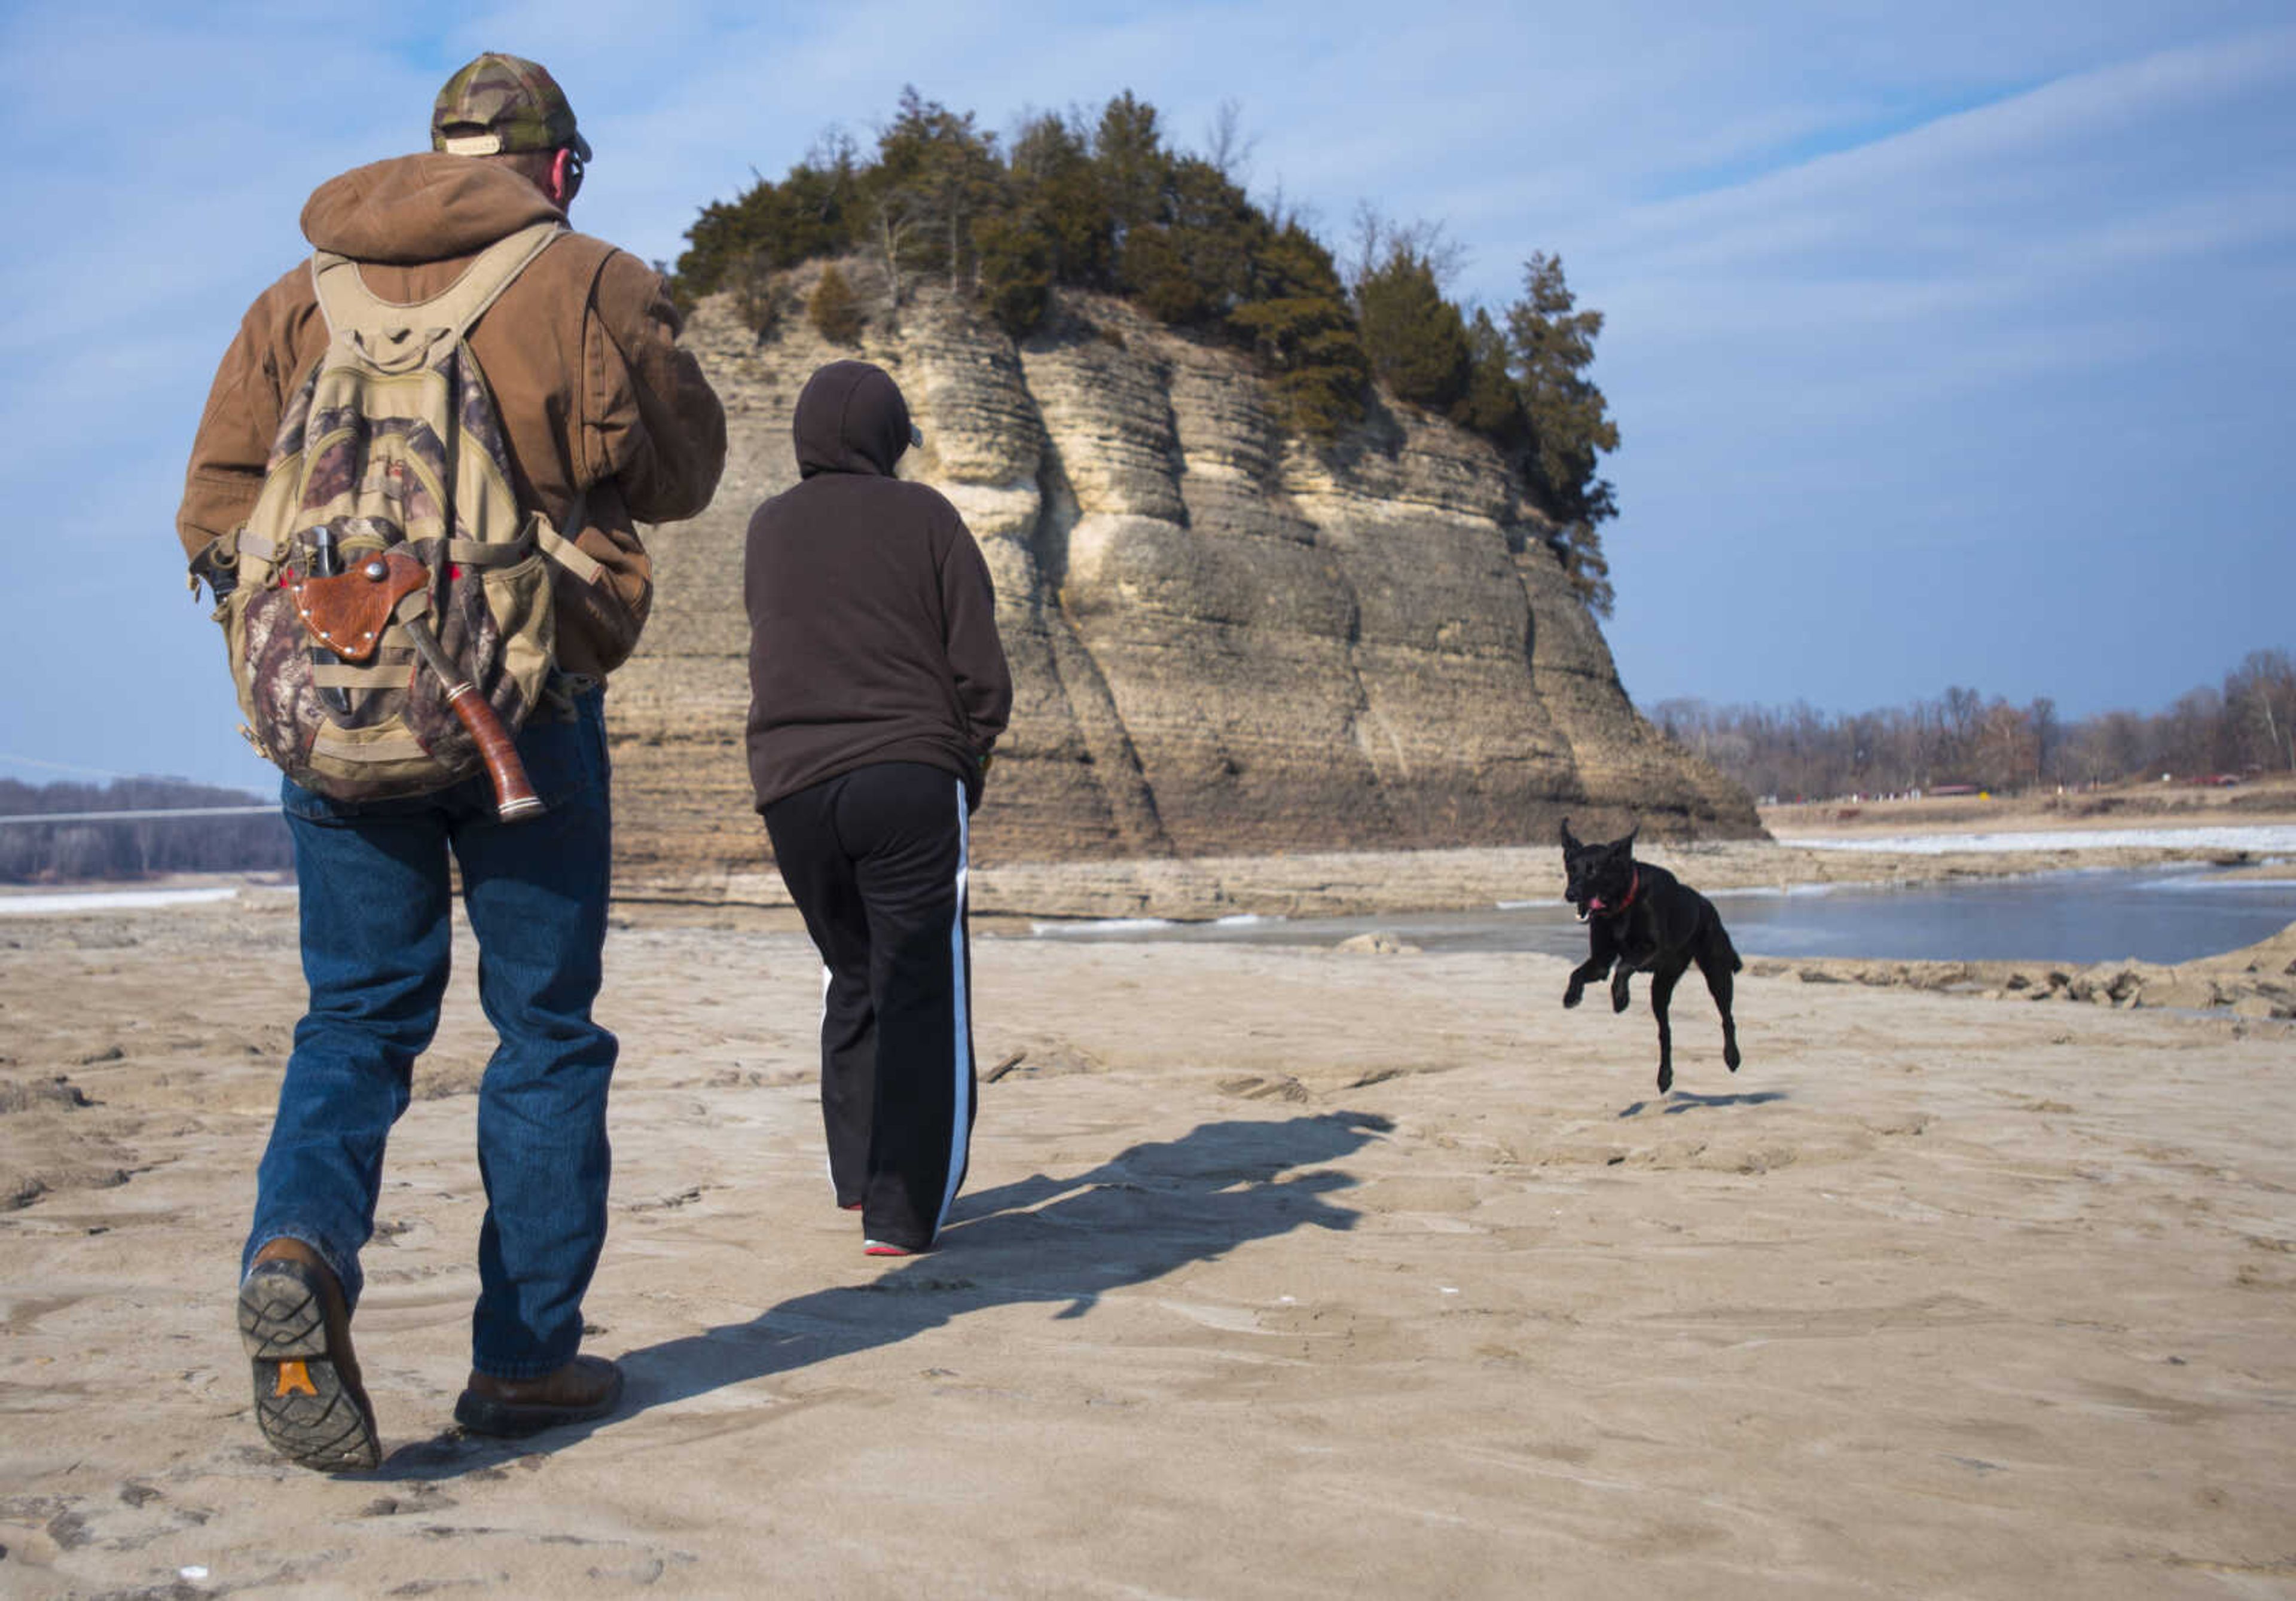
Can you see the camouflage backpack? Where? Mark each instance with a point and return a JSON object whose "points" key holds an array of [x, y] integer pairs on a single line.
{"points": [[392, 444]]}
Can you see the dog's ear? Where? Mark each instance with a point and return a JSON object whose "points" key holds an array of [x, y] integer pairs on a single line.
{"points": [[1568, 843], [1629, 842]]}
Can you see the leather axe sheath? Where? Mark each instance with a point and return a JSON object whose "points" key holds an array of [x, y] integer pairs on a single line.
{"points": [[347, 614]]}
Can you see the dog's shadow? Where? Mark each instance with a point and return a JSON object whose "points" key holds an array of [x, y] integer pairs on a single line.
{"points": [[1154, 1209], [1678, 1102]]}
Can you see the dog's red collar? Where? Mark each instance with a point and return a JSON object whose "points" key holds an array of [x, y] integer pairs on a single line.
{"points": [[1633, 890]]}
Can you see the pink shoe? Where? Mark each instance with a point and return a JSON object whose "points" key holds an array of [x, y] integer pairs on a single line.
{"points": [[848, 1206], [880, 1248]]}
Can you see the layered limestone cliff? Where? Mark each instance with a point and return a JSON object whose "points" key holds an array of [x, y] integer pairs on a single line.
{"points": [[1224, 638]]}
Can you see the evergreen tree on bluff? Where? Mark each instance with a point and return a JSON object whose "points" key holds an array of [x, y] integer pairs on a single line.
{"points": [[1189, 262], [1130, 153], [814, 211], [1064, 201], [1297, 319], [938, 172], [1017, 267], [1553, 345], [1415, 339], [1491, 405]]}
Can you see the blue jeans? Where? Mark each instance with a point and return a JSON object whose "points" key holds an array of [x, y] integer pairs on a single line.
{"points": [[376, 935]]}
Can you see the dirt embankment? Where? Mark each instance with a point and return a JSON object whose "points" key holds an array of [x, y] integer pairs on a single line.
{"points": [[2270, 799]]}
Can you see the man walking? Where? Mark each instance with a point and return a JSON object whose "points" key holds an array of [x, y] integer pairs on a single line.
{"points": [[878, 690], [603, 420]]}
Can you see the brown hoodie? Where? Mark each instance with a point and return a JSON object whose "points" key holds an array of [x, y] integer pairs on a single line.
{"points": [[872, 620], [581, 352]]}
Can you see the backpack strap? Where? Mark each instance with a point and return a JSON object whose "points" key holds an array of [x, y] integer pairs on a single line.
{"points": [[562, 549], [349, 305]]}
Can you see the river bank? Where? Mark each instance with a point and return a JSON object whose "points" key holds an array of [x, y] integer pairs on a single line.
{"points": [[1372, 884], [2255, 982]]}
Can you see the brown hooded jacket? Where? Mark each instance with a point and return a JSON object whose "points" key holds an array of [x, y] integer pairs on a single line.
{"points": [[581, 353]]}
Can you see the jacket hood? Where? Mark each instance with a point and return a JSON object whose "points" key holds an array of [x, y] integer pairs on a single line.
{"points": [[851, 418], [421, 207]]}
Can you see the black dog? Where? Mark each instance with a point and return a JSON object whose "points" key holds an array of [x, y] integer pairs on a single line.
{"points": [[1646, 920]]}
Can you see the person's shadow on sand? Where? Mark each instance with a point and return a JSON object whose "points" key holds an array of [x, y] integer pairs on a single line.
{"points": [[1155, 1208]]}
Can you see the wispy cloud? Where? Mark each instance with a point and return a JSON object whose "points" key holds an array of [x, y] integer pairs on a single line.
{"points": [[2017, 226]]}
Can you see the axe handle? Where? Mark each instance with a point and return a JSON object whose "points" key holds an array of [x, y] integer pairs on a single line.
{"points": [[514, 796]]}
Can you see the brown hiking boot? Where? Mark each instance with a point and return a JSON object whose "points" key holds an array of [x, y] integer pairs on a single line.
{"points": [[585, 1388], [308, 1400]]}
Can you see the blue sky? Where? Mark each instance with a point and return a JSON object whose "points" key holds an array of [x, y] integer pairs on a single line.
{"points": [[1950, 344]]}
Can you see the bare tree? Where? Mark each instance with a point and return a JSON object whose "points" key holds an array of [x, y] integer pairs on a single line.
{"points": [[1376, 240], [2049, 735], [2261, 701], [896, 222], [833, 151], [1225, 145]]}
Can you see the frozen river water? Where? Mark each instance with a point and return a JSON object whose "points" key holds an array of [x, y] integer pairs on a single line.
{"points": [[2155, 915]]}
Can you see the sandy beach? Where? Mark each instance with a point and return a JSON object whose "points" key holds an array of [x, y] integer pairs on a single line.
{"points": [[1279, 1273]]}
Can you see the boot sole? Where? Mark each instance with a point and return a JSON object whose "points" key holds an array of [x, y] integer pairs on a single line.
{"points": [[311, 1414], [503, 1419]]}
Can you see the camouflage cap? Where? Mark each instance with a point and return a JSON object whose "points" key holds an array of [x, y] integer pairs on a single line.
{"points": [[504, 102]]}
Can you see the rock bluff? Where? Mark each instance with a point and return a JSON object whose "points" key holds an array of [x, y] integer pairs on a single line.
{"points": [[1224, 638]]}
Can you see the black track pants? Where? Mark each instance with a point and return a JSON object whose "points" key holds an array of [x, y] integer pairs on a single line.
{"points": [[876, 859]]}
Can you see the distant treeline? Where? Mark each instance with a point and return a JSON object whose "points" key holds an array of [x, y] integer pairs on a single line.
{"points": [[2246, 726], [1105, 203], [36, 851]]}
